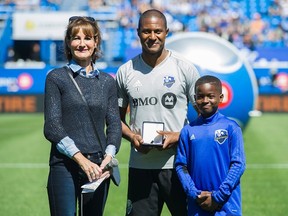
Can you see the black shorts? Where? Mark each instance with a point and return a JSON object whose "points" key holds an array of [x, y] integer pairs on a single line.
{"points": [[149, 189]]}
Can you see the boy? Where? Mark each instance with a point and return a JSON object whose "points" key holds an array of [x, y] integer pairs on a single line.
{"points": [[210, 156]]}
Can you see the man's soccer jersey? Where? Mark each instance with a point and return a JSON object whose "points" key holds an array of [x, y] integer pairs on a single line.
{"points": [[159, 94]]}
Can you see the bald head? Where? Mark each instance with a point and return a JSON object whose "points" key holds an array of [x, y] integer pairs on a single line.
{"points": [[152, 13]]}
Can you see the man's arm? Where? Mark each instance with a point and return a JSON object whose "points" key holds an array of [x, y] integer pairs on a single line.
{"points": [[126, 132], [134, 138]]}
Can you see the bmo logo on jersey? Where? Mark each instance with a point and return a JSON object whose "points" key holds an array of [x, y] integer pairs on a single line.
{"points": [[144, 102], [169, 100]]}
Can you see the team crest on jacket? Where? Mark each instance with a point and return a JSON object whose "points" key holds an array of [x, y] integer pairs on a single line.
{"points": [[220, 136], [168, 81]]}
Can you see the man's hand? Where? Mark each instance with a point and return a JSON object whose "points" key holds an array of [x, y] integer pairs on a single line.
{"points": [[137, 142], [170, 138]]}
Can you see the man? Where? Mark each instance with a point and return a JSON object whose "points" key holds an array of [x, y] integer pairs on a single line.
{"points": [[157, 86]]}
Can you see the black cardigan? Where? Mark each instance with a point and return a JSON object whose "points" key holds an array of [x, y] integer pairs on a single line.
{"points": [[66, 114]]}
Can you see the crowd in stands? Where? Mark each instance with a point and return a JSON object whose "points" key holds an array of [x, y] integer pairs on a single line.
{"points": [[246, 23], [231, 20]]}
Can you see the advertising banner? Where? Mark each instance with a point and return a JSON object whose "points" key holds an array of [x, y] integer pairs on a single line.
{"points": [[41, 25], [22, 81], [21, 103]]}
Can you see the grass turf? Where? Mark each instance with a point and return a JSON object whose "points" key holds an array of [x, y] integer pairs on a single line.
{"points": [[24, 156]]}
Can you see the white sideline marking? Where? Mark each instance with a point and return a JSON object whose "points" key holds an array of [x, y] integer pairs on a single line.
{"points": [[267, 166], [23, 165], [36, 165], [125, 166]]}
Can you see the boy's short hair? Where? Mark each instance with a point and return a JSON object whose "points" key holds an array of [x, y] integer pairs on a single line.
{"points": [[209, 79]]}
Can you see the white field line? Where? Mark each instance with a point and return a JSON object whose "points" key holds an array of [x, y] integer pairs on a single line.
{"points": [[267, 166], [125, 166], [36, 165]]}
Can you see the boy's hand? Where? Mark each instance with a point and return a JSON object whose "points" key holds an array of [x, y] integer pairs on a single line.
{"points": [[205, 201]]}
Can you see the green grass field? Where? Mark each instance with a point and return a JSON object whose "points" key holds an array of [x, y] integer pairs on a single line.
{"points": [[24, 168]]}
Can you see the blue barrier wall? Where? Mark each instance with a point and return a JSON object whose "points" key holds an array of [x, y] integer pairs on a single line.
{"points": [[21, 90]]}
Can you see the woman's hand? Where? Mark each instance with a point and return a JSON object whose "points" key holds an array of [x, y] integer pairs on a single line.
{"points": [[92, 170], [106, 173]]}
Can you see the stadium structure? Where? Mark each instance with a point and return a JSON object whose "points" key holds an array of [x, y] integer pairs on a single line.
{"points": [[32, 31]]}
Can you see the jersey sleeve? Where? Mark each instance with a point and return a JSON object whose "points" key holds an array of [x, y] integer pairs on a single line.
{"points": [[181, 162], [123, 100], [192, 76], [237, 167]]}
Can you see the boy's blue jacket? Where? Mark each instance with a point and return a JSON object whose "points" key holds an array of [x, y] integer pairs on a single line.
{"points": [[210, 157]]}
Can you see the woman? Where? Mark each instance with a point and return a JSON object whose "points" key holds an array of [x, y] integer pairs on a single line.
{"points": [[82, 144]]}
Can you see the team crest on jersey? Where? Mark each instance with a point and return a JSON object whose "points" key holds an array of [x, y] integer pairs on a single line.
{"points": [[220, 136], [168, 81]]}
